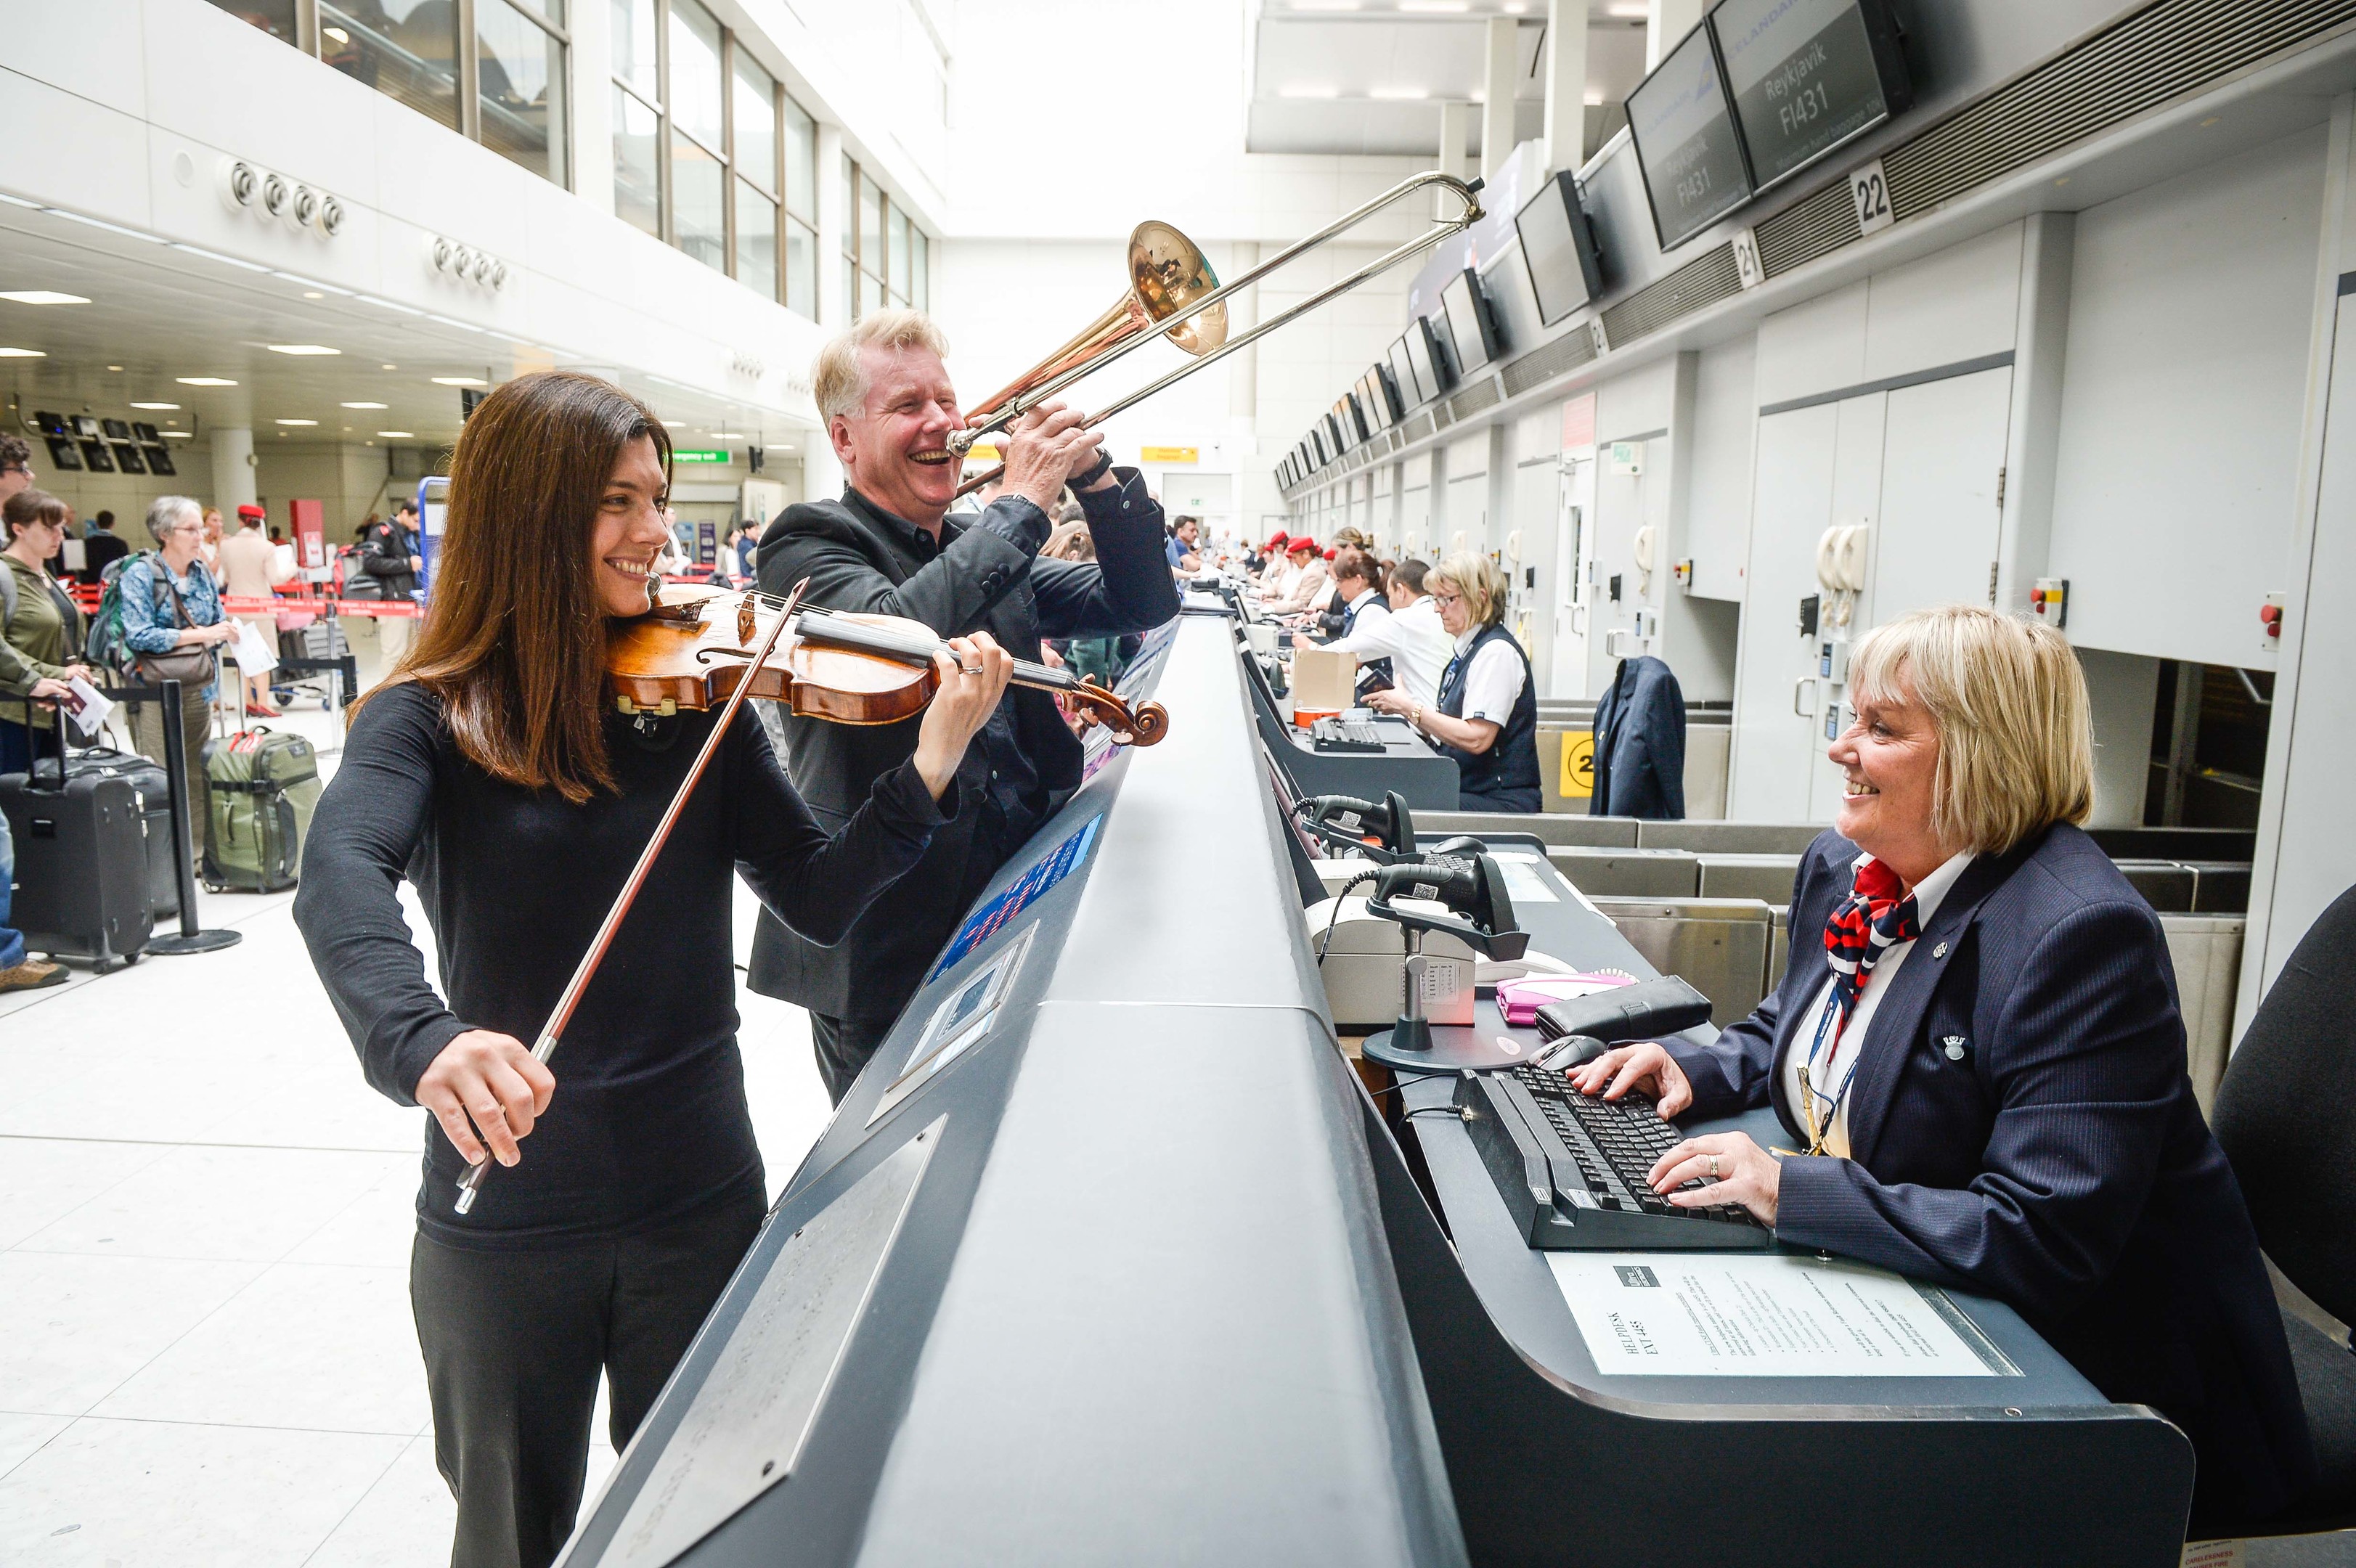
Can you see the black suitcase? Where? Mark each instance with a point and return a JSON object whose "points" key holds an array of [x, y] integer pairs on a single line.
{"points": [[83, 882], [154, 792]]}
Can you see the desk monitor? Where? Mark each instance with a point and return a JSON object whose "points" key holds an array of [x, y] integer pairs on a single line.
{"points": [[1425, 354], [1412, 395], [1559, 248], [1686, 144], [1806, 76], [1445, 359], [1471, 322]]}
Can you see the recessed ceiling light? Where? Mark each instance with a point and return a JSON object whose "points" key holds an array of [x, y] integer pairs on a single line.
{"points": [[1309, 90], [204, 382], [114, 367], [1595, 99], [179, 435], [303, 348], [388, 367], [1629, 10], [394, 434], [727, 435], [298, 422], [1399, 94], [1437, 7], [313, 295], [458, 380], [1324, 4], [674, 424], [174, 406], [22, 354], [40, 297], [365, 405]]}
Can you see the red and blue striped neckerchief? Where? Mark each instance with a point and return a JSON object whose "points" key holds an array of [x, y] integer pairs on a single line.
{"points": [[1877, 916]]}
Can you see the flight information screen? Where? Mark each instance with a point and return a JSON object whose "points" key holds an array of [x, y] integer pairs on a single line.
{"points": [[1556, 248], [1685, 143], [1805, 77]]}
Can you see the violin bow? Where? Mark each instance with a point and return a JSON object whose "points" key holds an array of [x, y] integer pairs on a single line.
{"points": [[553, 1029]]}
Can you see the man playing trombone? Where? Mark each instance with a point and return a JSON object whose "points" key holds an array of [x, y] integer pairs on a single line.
{"points": [[888, 547]]}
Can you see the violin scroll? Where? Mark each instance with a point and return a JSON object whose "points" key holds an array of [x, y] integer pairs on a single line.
{"points": [[1140, 727]]}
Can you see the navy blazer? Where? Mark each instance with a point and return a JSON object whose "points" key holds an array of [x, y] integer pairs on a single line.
{"points": [[2021, 1126]]}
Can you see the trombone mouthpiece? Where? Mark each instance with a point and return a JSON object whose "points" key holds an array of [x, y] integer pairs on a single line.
{"points": [[960, 442]]}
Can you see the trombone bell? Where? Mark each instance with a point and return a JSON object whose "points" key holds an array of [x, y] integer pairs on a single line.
{"points": [[1167, 273]]}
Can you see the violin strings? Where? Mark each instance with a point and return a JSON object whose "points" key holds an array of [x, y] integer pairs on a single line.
{"points": [[1060, 680]]}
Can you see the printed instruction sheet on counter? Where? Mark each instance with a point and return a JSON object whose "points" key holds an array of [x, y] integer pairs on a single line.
{"points": [[1772, 1316]]}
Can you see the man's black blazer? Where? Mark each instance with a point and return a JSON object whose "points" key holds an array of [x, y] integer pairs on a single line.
{"points": [[2021, 1126], [985, 575]]}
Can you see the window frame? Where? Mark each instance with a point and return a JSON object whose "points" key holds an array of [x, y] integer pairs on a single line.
{"points": [[470, 71]]}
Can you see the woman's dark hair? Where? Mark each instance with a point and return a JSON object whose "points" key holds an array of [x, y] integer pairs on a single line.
{"points": [[514, 644], [29, 507]]}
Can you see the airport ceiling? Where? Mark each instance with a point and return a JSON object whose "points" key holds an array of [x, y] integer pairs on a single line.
{"points": [[1368, 76], [157, 313]]}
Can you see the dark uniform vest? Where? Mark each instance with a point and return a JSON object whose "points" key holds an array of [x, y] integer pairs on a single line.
{"points": [[1505, 776]]}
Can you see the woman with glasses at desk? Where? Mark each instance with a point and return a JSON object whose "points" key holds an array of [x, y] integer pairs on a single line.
{"points": [[1981, 1063], [1486, 717]]}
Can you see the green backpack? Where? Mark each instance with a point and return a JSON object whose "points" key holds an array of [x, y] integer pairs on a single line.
{"points": [[264, 787]]}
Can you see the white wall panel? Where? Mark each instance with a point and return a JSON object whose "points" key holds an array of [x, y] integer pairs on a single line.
{"points": [[2190, 322], [1816, 347], [1793, 500], [1717, 510], [1955, 305]]}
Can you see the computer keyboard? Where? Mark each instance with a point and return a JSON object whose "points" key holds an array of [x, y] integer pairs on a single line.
{"points": [[1571, 1167], [1344, 735]]}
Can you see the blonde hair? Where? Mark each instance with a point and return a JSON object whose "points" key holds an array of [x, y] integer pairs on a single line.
{"points": [[2016, 735], [838, 376], [1477, 578]]}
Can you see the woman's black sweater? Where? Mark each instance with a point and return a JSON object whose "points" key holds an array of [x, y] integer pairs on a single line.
{"points": [[648, 1122]]}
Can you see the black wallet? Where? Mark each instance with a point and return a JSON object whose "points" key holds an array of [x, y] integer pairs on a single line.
{"points": [[1643, 1011]]}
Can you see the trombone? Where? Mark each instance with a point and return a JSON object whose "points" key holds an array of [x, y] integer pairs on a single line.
{"points": [[1170, 277]]}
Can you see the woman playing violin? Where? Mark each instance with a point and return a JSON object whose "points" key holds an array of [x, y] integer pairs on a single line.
{"points": [[496, 773]]}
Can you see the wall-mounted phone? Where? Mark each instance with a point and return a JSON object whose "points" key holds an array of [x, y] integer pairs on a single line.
{"points": [[1840, 559], [1640, 550], [1840, 571]]}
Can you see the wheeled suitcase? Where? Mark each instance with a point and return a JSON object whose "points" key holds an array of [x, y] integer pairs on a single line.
{"points": [[82, 877], [264, 787]]}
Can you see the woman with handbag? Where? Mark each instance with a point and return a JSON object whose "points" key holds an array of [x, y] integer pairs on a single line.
{"points": [[40, 630], [172, 623]]}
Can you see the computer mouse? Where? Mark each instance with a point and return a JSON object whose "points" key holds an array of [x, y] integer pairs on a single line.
{"points": [[1570, 1052]]}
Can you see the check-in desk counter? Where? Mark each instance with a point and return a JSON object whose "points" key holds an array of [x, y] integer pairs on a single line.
{"points": [[1560, 1455], [1109, 1257], [1408, 763], [1088, 1268]]}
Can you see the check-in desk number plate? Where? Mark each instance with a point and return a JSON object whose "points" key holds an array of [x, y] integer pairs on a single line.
{"points": [[744, 1433]]}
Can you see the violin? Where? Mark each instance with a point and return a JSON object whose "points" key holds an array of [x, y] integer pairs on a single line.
{"points": [[697, 644]]}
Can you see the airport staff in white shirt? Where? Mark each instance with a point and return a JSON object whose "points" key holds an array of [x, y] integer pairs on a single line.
{"points": [[1403, 627]]}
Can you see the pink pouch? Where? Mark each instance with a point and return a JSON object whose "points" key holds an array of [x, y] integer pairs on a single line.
{"points": [[1520, 1000]]}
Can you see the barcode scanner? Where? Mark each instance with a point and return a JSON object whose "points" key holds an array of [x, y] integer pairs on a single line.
{"points": [[1481, 917], [1385, 833]]}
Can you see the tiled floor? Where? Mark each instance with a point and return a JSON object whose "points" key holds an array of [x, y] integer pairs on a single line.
{"points": [[206, 1351]]}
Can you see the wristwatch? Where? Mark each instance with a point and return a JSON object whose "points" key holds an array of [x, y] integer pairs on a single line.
{"points": [[1096, 472]]}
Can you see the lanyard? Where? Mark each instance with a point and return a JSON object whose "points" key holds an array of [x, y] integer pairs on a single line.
{"points": [[1820, 1122]]}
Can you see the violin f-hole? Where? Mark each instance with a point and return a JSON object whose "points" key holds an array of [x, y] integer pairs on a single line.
{"points": [[745, 621]]}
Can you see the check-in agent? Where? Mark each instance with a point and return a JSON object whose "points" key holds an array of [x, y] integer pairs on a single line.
{"points": [[1981, 1064]]}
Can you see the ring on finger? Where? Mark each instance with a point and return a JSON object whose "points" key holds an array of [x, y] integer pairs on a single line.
{"points": [[1713, 1167]]}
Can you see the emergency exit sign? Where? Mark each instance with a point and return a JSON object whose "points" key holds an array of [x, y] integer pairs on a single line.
{"points": [[680, 454]]}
